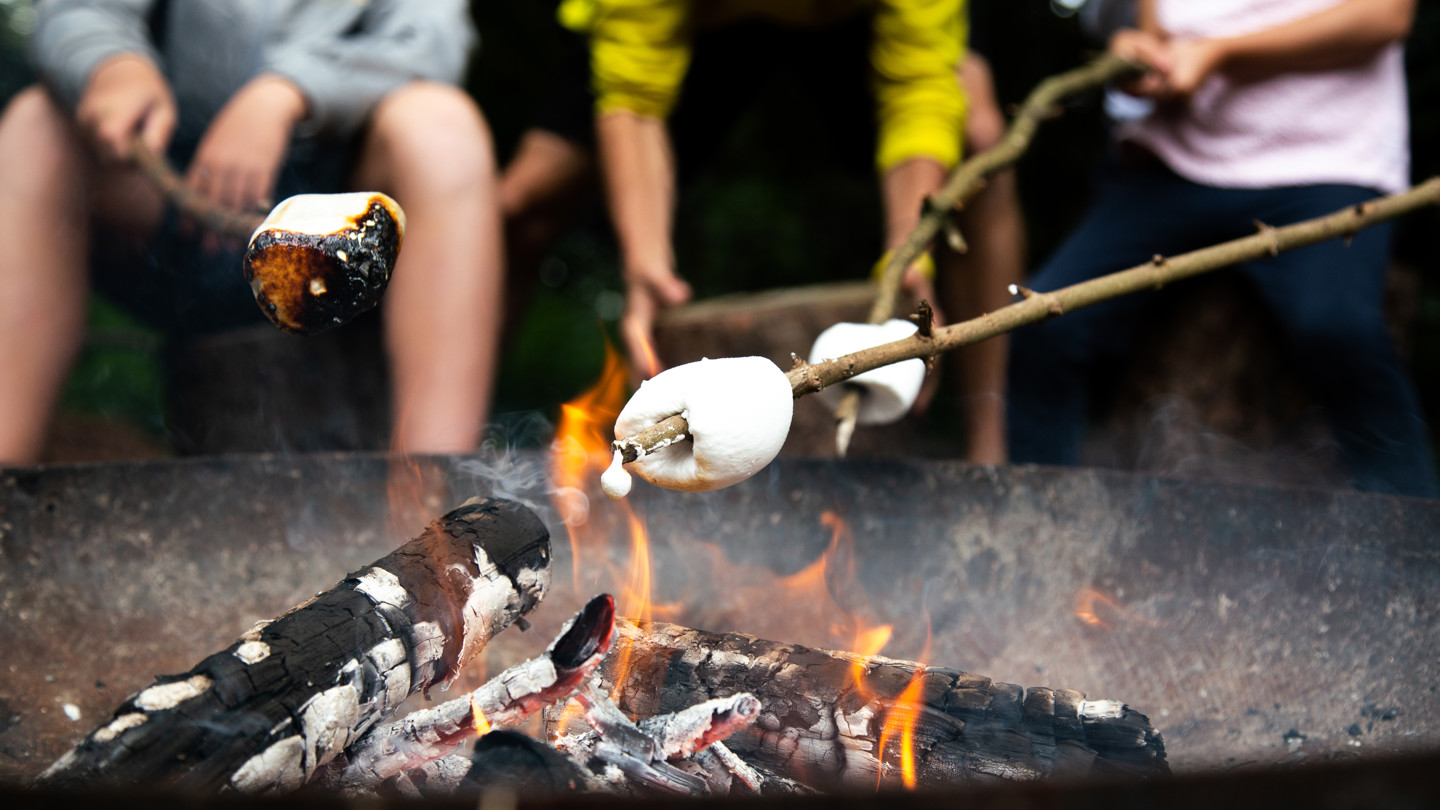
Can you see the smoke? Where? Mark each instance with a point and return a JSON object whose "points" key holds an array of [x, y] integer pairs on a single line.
{"points": [[514, 462]]}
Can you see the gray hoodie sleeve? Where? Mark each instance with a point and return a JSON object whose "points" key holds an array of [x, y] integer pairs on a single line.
{"points": [[72, 38], [344, 76]]}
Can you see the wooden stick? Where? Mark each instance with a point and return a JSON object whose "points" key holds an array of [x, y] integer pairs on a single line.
{"points": [[264, 714], [808, 378], [963, 184]]}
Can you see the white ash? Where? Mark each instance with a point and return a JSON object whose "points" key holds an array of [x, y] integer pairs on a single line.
{"points": [[383, 588], [169, 695], [1100, 709], [122, 723], [252, 652], [278, 769], [329, 720], [393, 663], [428, 641]]}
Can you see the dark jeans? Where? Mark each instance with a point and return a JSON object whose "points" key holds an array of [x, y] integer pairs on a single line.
{"points": [[1326, 300]]}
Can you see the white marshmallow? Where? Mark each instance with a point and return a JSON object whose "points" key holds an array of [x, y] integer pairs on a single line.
{"points": [[739, 411], [889, 390]]}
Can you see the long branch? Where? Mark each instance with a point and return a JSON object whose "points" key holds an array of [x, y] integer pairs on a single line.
{"points": [[963, 183], [1267, 241], [968, 178]]}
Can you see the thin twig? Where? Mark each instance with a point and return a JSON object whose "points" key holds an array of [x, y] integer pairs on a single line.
{"points": [[214, 218], [963, 183], [1038, 306]]}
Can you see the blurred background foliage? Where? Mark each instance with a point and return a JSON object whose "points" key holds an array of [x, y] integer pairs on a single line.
{"points": [[762, 213]]}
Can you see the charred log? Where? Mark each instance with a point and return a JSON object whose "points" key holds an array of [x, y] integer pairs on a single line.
{"points": [[291, 694], [503, 701], [822, 727]]}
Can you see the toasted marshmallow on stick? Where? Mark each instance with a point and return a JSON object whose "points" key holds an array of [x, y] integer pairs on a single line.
{"points": [[889, 390], [738, 409], [319, 260]]}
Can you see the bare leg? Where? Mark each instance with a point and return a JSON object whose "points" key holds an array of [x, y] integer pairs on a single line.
{"points": [[430, 148], [541, 192], [977, 282], [48, 187]]}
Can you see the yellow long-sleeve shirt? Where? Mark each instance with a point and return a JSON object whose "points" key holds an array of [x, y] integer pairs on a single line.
{"points": [[640, 51]]}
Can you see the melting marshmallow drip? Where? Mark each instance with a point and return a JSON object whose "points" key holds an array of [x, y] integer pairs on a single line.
{"points": [[615, 481]]}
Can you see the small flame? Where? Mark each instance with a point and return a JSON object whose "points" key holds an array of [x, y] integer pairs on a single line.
{"points": [[905, 714], [582, 447], [636, 597], [1095, 609], [482, 725]]}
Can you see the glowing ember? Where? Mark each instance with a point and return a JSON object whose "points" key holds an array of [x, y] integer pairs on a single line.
{"points": [[1094, 609]]}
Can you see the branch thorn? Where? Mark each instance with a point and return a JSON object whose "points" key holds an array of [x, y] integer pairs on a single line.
{"points": [[1269, 231], [954, 238], [924, 319]]}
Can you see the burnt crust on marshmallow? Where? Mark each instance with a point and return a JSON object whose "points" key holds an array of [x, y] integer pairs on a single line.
{"points": [[319, 260]]}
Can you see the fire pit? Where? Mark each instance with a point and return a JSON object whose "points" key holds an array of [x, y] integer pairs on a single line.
{"points": [[1257, 628]]}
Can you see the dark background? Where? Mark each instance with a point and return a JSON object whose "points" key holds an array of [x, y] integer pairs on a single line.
{"points": [[762, 213]]}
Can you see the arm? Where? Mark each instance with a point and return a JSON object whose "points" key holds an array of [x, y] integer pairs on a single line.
{"points": [[639, 176], [904, 188], [73, 38], [344, 75], [1338, 37], [916, 55], [916, 52], [639, 54], [98, 58]]}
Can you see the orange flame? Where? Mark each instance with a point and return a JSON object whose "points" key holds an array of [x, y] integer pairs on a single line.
{"points": [[582, 446], [1093, 607], [482, 725], [905, 714]]}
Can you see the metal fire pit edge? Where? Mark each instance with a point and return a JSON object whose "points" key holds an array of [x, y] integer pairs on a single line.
{"points": [[1260, 629]]}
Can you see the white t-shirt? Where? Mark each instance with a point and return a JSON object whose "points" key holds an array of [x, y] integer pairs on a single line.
{"points": [[1349, 125]]}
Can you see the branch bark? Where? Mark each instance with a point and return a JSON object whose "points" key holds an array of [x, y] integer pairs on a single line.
{"points": [[1267, 241], [964, 183]]}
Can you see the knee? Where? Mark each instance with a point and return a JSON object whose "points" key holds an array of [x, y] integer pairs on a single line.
{"points": [[435, 131], [36, 140]]}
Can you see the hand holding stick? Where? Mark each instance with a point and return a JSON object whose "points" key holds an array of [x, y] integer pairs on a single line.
{"points": [[963, 184]]}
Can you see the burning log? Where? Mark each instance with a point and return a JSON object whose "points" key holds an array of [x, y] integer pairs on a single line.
{"points": [[661, 753], [291, 694], [504, 701], [826, 714]]}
